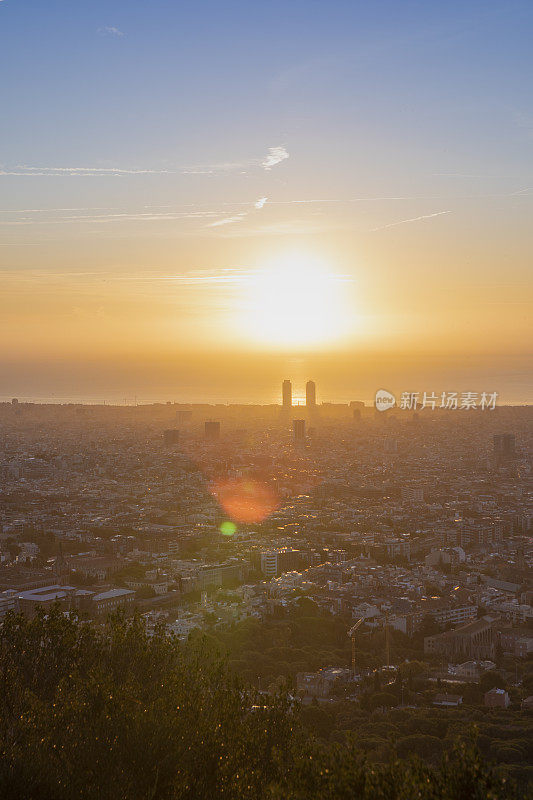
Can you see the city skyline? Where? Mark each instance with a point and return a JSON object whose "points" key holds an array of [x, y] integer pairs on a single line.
{"points": [[350, 191]]}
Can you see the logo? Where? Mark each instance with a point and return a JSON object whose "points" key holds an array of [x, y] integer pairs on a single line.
{"points": [[384, 400]]}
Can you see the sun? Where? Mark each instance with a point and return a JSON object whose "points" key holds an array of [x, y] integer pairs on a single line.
{"points": [[296, 301]]}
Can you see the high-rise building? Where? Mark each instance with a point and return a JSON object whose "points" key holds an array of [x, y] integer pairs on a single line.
{"points": [[310, 394], [275, 562], [504, 446], [183, 415], [287, 394], [212, 429], [298, 427], [269, 563], [171, 436]]}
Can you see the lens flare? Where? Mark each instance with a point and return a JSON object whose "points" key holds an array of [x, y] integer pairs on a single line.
{"points": [[228, 528], [245, 500]]}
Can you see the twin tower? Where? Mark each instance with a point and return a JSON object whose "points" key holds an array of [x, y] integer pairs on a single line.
{"points": [[310, 394]]}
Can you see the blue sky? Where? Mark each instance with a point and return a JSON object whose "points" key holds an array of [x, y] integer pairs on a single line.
{"points": [[163, 83]]}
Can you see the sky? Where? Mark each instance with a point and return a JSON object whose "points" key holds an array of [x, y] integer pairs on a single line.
{"points": [[198, 200]]}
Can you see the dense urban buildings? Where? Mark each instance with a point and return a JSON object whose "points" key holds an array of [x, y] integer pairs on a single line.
{"points": [[298, 426], [287, 394], [402, 525]]}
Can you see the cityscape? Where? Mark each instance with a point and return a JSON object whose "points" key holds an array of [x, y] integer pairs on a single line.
{"points": [[400, 541], [266, 400]]}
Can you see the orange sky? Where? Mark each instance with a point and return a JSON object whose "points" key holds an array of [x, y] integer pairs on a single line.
{"points": [[349, 193]]}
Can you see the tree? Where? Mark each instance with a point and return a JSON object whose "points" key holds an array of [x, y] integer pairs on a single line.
{"points": [[379, 700], [427, 747], [398, 683], [113, 713], [109, 713], [492, 679]]}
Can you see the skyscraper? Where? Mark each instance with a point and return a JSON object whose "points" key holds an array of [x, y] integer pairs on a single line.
{"points": [[287, 394], [212, 429], [310, 394], [504, 446], [298, 426], [171, 436]]}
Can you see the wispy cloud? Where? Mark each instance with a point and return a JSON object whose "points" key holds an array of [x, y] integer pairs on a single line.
{"points": [[220, 275], [522, 192], [231, 275], [227, 220], [215, 169], [274, 156], [214, 217], [110, 30], [412, 219], [25, 170], [457, 175], [200, 171], [259, 204], [291, 227], [122, 216]]}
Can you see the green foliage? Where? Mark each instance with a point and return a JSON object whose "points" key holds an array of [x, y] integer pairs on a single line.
{"points": [[490, 680], [312, 639], [379, 700], [426, 747], [108, 713], [111, 713], [340, 772]]}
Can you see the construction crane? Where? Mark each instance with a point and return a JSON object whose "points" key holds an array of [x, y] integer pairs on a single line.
{"points": [[351, 634], [387, 640]]}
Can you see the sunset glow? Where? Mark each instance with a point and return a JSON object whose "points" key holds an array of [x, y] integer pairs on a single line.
{"points": [[346, 192], [296, 302], [266, 400]]}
